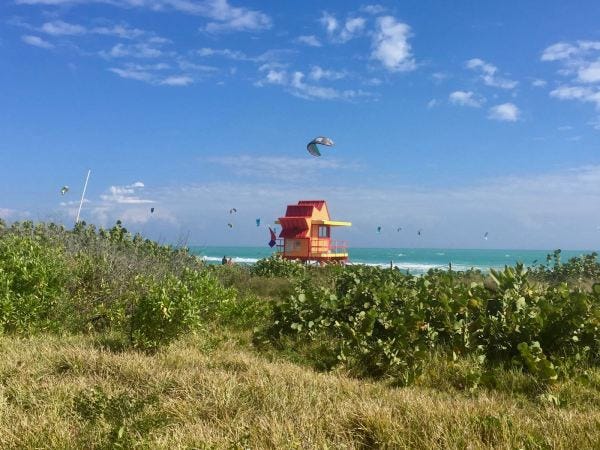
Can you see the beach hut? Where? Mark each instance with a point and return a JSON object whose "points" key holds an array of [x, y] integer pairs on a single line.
{"points": [[306, 233]]}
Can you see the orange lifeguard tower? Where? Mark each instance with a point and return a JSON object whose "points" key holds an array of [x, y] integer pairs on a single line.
{"points": [[306, 233]]}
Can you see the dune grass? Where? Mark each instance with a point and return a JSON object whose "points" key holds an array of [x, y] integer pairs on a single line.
{"points": [[211, 390]]}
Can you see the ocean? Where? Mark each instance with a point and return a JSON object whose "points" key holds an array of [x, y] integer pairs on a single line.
{"points": [[415, 260]]}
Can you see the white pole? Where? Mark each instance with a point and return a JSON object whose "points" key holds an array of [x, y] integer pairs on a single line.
{"points": [[82, 196]]}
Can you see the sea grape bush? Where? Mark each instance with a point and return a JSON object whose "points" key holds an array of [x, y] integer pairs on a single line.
{"points": [[584, 267], [385, 323]]}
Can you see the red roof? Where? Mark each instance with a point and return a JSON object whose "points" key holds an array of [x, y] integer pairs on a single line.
{"points": [[316, 203], [293, 227], [299, 211]]}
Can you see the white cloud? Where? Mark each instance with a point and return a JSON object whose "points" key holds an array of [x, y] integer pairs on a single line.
{"points": [[572, 56], [226, 53], [132, 73], [581, 61], [432, 103], [125, 194], [223, 15], [466, 98], [329, 22], [537, 82], [352, 28], [580, 93], [55, 2], [590, 73], [317, 73], [270, 57], [310, 40], [123, 203], [310, 91], [506, 112], [47, 2], [188, 66], [477, 63], [438, 77], [488, 74], [158, 74], [140, 50], [341, 33], [391, 46], [36, 41], [295, 84], [121, 31], [60, 28], [178, 80], [373, 9], [276, 77], [559, 51], [232, 18], [373, 81]]}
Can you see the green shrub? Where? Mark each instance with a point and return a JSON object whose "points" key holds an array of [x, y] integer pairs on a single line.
{"points": [[579, 268], [88, 279], [384, 323], [161, 310], [277, 267], [33, 278]]}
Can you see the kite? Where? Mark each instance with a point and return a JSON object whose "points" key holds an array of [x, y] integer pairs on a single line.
{"points": [[258, 222], [485, 236], [399, 229], [272, 242], [419, 232], [232, 210], [151, 210], [230, 225], [321, 140], [64, 190], [379, 229]]}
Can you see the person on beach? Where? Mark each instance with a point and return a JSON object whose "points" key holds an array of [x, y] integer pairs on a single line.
{"points": [[224, 261]]}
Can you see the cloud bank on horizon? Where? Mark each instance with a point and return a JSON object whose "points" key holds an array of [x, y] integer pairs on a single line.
{"points": [[455, 124]]}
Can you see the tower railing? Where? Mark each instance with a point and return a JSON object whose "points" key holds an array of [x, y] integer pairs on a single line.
{"points": [[318, 247], [327, 247]]}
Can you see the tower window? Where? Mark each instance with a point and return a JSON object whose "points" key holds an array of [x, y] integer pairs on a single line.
{"points": [[323, 231]]}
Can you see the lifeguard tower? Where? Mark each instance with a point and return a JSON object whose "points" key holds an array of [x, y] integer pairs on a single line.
{"points": [[306, 233]]}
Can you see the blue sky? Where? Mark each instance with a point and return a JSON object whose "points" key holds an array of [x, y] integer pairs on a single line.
{"points": [[452, 117]]}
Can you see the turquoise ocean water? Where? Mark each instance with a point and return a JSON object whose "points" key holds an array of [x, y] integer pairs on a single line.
{"points": [[416, 260]]}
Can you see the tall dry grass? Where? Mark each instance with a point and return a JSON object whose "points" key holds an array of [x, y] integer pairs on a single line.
{"points": [[212, 391]]}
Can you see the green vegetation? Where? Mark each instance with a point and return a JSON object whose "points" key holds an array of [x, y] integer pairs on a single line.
{"points": [[383, 322], [56, 280], [112, 341]]}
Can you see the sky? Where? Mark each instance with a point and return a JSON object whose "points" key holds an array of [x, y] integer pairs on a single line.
{"points": [[456, 118]]}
